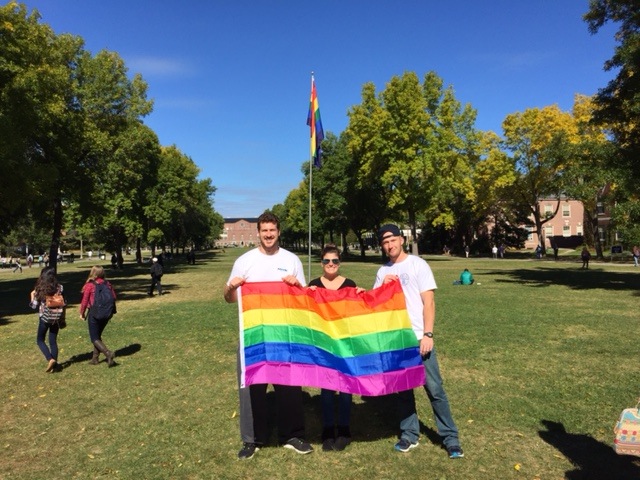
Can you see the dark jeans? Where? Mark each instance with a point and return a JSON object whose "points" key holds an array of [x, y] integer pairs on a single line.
{"points": [[52, 351], [289, 412], [328, 409], [96, 327], [155, 281]]}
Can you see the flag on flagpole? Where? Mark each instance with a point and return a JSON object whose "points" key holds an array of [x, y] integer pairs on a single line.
{"points": [[336, 339], [315, 124]]}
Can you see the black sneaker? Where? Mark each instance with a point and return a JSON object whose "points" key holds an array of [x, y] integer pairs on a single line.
{"points": [[247, 451], [300, 446], [455, 451], [404, 445], [327, 444], [341, 443]]}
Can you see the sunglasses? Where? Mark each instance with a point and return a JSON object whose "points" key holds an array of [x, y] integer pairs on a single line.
{"points": [[335, 261]]}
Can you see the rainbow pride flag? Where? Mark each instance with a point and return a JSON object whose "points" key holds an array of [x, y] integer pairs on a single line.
{"points": [[335, 339], [315, 124]]}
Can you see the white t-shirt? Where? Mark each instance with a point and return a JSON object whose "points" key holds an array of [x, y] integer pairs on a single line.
{"points": [[416, 277], [255, 266]]}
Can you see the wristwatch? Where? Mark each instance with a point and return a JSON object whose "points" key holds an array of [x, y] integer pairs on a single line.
{"points": [[428, 334]]}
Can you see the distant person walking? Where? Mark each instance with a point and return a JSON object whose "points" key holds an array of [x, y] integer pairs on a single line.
{"points": [[636, 255], [494, 252], [586, 256], [466, 251], [97, 307], [18, 265], [156, 276], [47, 284]]}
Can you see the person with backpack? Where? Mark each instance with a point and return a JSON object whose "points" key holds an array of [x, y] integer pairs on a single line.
{"points": [[98, 306], [156, 276], [47, 285]]}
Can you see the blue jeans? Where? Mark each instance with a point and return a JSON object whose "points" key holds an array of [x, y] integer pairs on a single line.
{"points": [[328, 410], [409, 424], [50, 352]]}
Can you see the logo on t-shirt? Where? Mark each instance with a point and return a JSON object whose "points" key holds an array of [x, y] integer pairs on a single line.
{"points": [[281, 269], [404, 279]]}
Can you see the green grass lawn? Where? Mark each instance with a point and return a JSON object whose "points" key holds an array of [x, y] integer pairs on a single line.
{"points": [[538, 357]]}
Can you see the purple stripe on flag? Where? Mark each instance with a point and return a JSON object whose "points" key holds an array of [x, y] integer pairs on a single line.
{"points": [[320, 377]]}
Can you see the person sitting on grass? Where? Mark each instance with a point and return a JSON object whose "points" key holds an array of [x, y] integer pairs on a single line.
{"points": [[466, 277]]}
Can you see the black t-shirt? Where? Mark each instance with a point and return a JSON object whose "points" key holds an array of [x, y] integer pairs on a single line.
{"points": [[318, 283]]}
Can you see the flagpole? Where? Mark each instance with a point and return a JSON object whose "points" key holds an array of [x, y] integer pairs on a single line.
{"points": [[310, 185]]}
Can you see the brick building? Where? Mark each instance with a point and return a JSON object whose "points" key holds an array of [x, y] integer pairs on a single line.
{"points": [[567, 228], [239, 232]]}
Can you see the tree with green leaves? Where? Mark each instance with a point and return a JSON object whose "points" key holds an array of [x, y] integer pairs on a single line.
{"points": [[331, 184], [179, 207], [61, 108], [368, 199], [418, 143], [618, 104], [618, 107]]}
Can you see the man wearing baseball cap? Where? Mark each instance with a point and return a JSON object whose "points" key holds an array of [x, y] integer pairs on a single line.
{"points": [[418, 285]]}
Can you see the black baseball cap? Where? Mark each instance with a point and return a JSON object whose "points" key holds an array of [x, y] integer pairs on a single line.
{"points": [[388, 228]]}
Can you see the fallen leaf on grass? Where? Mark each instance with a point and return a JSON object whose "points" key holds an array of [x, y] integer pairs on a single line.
{"points": [[517, 467], [234, 415]]}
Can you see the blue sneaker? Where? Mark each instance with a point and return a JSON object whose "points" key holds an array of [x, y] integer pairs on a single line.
{"points": [[404, 445], [455, 451]]}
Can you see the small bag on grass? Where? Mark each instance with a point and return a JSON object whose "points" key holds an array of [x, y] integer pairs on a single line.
{"points": [[627, 431]]}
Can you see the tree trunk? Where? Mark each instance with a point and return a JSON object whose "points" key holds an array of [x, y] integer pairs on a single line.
{"points": [[345, 245], [596, 237], [55, 236], [361, 242], [138, 251], [414, 236]]}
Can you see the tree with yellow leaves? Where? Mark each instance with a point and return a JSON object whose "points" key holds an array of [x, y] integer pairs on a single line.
{"points": [[533, 139]]}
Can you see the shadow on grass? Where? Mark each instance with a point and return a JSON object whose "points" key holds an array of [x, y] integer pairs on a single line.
{"points": [[592, 459], [85, 357], [372, 419], [577, 279], [131, 283]]}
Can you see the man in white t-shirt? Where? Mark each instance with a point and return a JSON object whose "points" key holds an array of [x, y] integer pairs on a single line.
{"points": [[418, 285], [268, 263]]}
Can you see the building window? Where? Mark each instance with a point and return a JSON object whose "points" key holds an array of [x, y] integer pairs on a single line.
{"points": [[566, 230], [579, 230], [548, 231], [566, 210], [600, 208], [529, 233], [602, 235], [548, 210]]}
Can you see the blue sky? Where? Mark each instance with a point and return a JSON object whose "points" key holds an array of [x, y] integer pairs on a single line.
{"points": [[231, 78]]}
